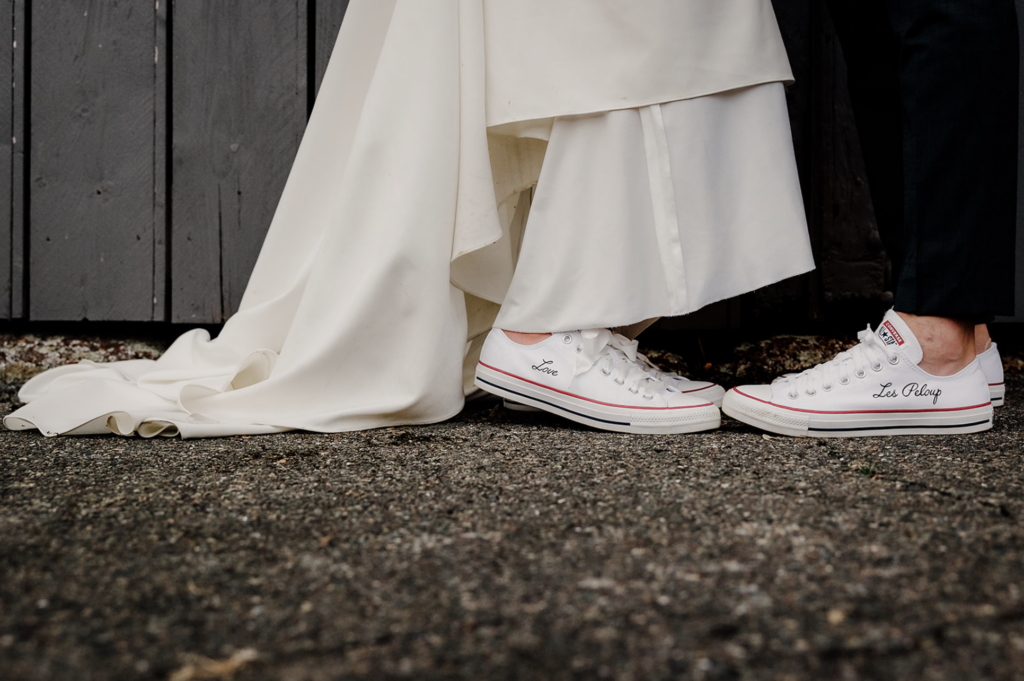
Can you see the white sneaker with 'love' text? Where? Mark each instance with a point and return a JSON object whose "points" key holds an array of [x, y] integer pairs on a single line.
{"points": [[705, 390], [874, 388], [592, 377]]}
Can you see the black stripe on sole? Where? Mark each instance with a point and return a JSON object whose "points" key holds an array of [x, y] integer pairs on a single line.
{"points": [[556, 406], [848, 430]]}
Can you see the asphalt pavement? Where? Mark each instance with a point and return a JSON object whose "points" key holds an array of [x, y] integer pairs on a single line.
{"points": [[504, 545]]}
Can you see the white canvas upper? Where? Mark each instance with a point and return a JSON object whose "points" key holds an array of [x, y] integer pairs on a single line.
{"points": [[591, 377], [992, 365], [874, 388], [705, 390]]}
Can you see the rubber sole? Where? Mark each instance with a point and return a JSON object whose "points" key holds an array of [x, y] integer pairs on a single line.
{"points": [[782, 421], [998, 393], [713, 394], [512, 405], [620, 419]]}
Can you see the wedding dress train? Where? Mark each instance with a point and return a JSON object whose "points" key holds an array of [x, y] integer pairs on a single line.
{"points": [[401, 228]]}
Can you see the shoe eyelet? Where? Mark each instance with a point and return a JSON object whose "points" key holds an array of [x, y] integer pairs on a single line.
{"points": [[633, 391], [567, 339], [894, 360], [861, 374], [648, 397], [876, 367], [793, 395], [811, 392], [845, 380], [606, 373], [620, 381], [579, 349], [827, 388]]}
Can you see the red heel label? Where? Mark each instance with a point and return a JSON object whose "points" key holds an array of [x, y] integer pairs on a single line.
{"points": [[890, 335]]}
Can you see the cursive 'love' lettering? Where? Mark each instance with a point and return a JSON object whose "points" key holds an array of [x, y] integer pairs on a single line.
{"points": [[544, 368]]}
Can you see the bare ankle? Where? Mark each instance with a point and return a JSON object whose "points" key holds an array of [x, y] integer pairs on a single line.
{"points": [[526, 338], [947, 344]]}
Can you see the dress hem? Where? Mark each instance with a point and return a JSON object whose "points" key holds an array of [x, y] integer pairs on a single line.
{"points": [[675, 313], [637, 104]]}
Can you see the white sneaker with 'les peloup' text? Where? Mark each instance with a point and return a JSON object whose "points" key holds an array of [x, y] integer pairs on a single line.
{"points": [[874, 388]]}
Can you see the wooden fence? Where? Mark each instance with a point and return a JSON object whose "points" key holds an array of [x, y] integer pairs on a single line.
{"points": [[144, 145]]}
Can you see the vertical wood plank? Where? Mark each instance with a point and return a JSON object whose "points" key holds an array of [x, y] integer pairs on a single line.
{"points": [[7, 22], [1019, 289], [12, 162], [20, 144], [851, 261], [327, 15], [161, 309], [822, 105], [847, 249], [239, 108], [91, 160]]}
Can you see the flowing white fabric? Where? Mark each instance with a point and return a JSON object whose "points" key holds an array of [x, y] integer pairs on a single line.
{"points": [[548, 58], [351, 319], [663, 209]]}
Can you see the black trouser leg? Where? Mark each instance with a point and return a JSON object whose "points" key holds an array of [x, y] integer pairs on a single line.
{"points": [[934, 89]]}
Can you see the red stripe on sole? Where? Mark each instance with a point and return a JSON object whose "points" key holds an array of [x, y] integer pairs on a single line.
{"points": [[587, 399]]}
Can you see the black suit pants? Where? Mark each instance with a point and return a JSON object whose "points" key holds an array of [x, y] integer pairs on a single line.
{"points": [[934, 88]]}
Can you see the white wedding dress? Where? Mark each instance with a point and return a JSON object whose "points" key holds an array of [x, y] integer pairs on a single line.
{"points": [[658, 132]]}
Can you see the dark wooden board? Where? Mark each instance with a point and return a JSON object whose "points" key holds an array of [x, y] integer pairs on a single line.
{"points": [[239, 108], [327, 15], [6, 159], [19, 264], [1019, 298], [161, 142], [851, 260], [91, 160], [844, 238], [12, 163]]}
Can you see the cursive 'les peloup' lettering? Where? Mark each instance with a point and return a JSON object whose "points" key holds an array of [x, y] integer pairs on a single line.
{"points": [[910, 389], [921, 391]]}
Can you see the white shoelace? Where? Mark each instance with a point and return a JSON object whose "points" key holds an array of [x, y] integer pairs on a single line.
{"points": [[870, 352], [656, 372], [618, 355]]}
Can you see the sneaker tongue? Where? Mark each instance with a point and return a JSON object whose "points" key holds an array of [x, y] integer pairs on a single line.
{"points": [[895, 333]]}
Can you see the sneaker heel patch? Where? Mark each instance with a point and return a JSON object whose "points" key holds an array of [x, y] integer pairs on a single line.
{"points": [[889, 334]]}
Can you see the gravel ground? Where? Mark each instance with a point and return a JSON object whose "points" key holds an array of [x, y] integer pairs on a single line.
{"points": [[503, 545]]}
